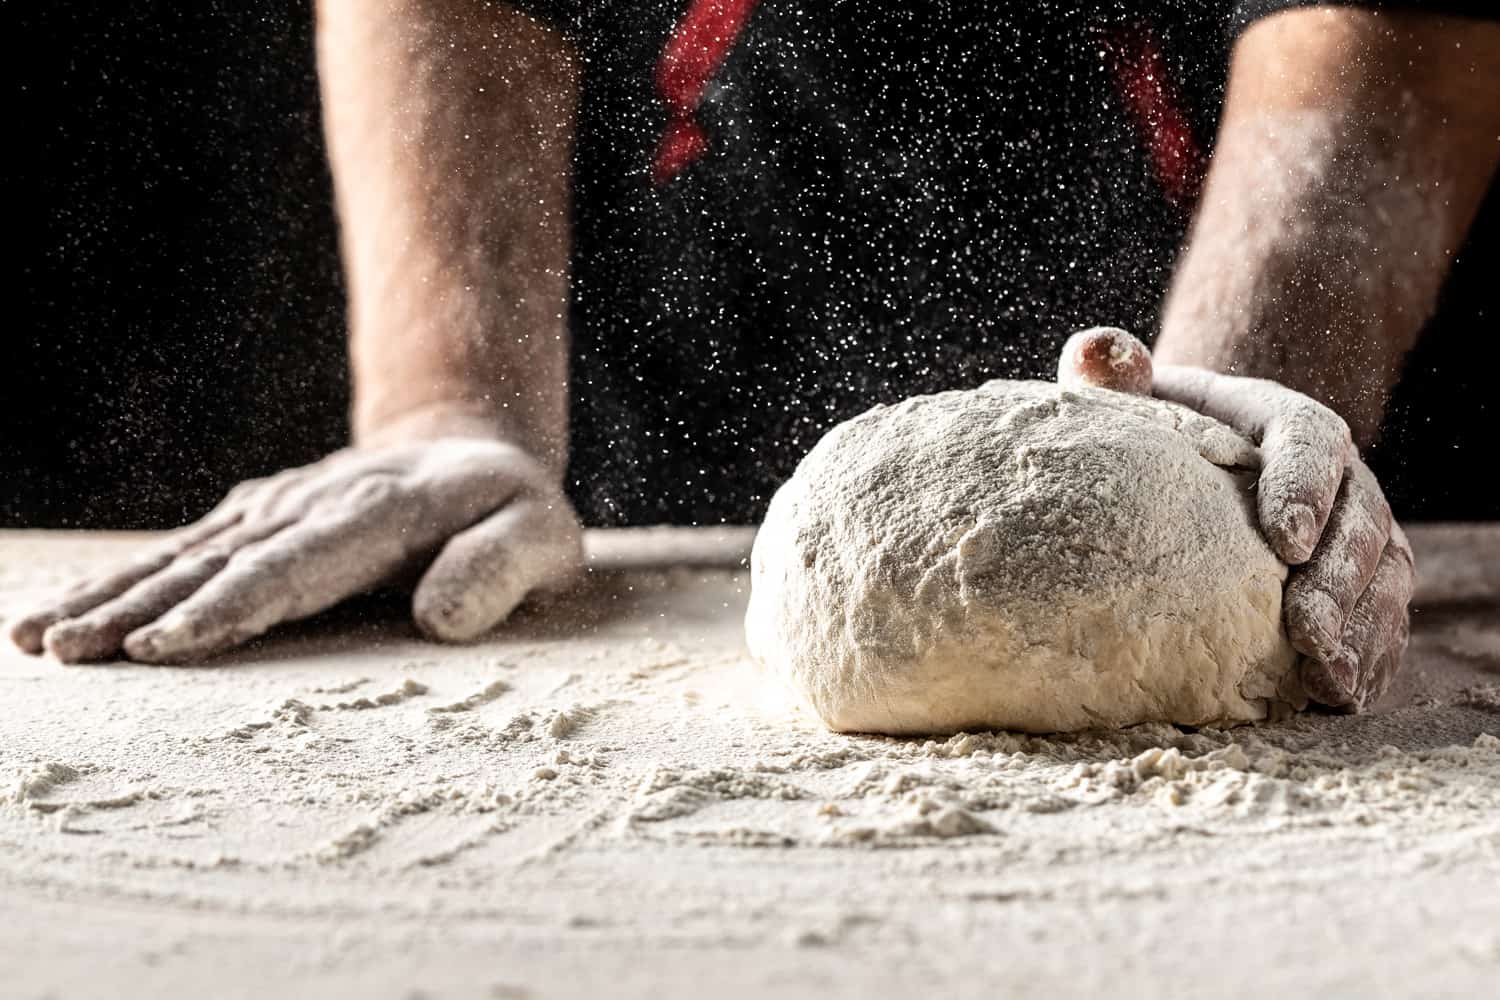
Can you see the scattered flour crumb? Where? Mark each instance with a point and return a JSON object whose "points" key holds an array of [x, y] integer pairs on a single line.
{"points": [[484, 696], [344, 688], [44, 779], [409, 689]]}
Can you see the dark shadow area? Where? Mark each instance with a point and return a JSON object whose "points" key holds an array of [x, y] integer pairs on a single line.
{"points": [[887, 210], [372, 622]]}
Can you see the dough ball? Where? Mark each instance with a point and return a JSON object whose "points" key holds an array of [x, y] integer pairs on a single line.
{"points": [[1023, 556]]}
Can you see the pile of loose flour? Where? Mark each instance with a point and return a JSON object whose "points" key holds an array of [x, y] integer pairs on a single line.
{"points": [[607, 800]]}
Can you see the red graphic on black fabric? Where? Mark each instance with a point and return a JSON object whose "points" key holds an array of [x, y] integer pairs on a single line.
{"points": [[1155, 108], [696, 49], [708, 30]]}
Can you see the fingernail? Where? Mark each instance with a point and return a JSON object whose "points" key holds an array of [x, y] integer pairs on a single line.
{"points": [[142, 643], [61, 641], [1325, 617], [26, 634], [1345, 667], [1321, 684], [1328, 647], [1301, 530]]}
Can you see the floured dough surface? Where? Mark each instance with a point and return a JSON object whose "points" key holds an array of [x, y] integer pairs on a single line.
{"points": [[1025, 557]]}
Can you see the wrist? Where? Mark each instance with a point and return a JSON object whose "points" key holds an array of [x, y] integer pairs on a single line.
{"points": [[1353, 379], [544, 440], [429, 421]]}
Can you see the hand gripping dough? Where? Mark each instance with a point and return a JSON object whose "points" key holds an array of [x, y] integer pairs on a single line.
{"points": [[1023, 556]]}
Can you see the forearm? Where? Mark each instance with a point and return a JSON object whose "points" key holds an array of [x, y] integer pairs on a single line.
{"points": [[449, 129], [1354, 151]]}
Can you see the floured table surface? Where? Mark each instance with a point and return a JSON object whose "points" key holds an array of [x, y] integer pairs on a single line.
{"points": [[605, 799]]}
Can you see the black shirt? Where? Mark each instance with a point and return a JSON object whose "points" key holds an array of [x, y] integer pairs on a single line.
{"points": [[888, 199], [893, 199], [885, 201]]}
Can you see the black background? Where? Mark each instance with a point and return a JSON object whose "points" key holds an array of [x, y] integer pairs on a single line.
{"points": [[177, 320]]}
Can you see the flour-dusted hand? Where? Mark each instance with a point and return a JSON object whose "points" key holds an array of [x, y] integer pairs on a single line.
{"points": [[1347, 608], [1320, 508], [484, 517], [1347, 599], [452, 169]]}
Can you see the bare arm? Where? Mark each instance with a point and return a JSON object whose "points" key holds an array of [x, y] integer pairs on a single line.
{"points": [[1354, 151], [449, 128], [449, 131]]}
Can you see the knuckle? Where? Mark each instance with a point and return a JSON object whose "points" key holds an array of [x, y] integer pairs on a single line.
{"points": [[1401, 545], [242, 490], [262, 557], [1364, 492], [204, 559], [1396, 577], [376, 490], [1320, 420]]}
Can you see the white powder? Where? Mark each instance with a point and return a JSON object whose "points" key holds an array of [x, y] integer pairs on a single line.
{"points": [[395, 857]]}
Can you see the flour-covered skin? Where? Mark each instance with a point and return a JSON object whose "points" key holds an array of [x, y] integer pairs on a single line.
{"points": [[1347, 600], [1304, 448], [485, 520], [1349, 165], [452, 170], [1324, 514]]}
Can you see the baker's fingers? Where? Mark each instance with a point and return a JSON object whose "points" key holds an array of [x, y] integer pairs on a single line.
{"points": [[1321, 594], [1304, 449], [1186, 385], [1385, 628], [1336, 695], [483, 573], [266, 497], [1356, 676], [1303, 456], [27, 630], [1323, 685], [331, 554], [1105, 357], [99, 633]]}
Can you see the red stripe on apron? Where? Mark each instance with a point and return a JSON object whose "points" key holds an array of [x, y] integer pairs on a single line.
{"points": [[1155, 108], [694, 52]]}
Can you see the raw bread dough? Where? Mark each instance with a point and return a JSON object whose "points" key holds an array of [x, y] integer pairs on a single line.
{"points": [[1023, 556]]}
